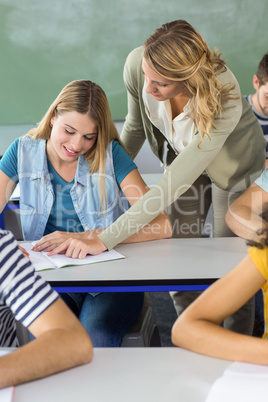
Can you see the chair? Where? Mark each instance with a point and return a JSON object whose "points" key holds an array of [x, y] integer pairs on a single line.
{"points": [[144, 331], [10, 219], [23, 334]]}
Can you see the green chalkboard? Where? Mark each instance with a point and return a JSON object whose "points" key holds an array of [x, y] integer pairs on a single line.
{"points": [[47, 43]]}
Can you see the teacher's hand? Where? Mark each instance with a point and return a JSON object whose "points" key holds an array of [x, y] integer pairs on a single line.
{"points": [[76, 248], [55, 239]]}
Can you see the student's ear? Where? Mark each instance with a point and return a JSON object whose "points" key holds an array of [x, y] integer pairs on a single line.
{"points": [[256, 82], [52, 120]]}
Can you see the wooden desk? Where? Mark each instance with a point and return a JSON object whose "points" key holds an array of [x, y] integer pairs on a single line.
{"points": [[160, 265], [130, 375]]}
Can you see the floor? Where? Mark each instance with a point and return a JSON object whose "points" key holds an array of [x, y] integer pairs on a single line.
{"points": [[165, 315]]}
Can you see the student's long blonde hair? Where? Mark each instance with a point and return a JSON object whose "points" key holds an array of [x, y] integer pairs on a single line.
{"points": [[178, 52], [85, 97]]}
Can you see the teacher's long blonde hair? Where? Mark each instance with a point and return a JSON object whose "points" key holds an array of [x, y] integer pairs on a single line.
{"points": [[178, 52]]}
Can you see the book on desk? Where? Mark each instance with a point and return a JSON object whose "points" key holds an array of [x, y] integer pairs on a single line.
{"points": [[42, 261]]}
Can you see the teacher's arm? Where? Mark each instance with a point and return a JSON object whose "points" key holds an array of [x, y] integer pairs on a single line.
{"points": [[158, 227], [134, 187]]}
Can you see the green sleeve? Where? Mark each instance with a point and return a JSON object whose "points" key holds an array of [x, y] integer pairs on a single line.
{"points": [[133, 135]]}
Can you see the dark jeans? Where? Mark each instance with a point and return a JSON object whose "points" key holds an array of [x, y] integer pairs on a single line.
{"points": [[105, 316]]}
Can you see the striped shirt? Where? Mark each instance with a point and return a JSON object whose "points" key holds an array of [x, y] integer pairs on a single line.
{"points": [[263, 120], [24, 295]]}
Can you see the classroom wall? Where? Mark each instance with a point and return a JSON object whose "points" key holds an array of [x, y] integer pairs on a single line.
{"points": [[46, 44]]}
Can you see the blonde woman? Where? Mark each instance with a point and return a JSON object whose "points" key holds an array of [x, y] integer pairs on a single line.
{"points": [[182, 95], [75, 177]]}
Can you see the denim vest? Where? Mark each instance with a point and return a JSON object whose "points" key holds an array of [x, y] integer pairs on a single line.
{"points": [[37, 195]]}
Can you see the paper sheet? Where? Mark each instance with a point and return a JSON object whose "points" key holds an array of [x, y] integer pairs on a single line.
{"points": [[41, 261], [6, 394], [240, 382]]}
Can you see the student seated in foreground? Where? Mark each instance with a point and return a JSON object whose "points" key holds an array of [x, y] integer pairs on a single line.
{"points": [[198, 328], [61, 341]]}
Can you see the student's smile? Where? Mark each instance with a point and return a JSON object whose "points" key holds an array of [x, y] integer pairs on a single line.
{"points": [[70, 152]]}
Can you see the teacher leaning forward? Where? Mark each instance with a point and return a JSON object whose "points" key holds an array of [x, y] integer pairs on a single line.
{"points": [[183, 95]]}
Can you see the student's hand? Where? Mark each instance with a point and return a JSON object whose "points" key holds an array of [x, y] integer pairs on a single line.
{"points": [[24, 252], [55, 239], [75, 248]]}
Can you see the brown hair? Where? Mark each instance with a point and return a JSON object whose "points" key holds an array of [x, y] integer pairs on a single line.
{"points": [[261, 232], [262, 72]]}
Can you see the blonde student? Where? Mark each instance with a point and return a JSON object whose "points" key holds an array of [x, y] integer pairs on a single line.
{"points": [[198, 328], [75, 180]]}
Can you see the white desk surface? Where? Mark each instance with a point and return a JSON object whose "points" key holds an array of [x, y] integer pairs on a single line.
{"points": [[167, 262], [130, 375]]}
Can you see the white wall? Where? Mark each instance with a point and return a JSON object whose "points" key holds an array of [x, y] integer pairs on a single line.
{"points": [[9, 133]]}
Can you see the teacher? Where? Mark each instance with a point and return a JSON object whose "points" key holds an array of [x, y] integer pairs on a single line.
{"points": [[183, 95]]}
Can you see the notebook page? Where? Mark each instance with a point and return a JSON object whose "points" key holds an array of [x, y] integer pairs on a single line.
{"points": [[39, 260], [60, 260], [240, 382], [42, 261]]}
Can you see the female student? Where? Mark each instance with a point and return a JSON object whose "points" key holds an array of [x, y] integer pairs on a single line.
{"points": [[183, 95], [74, 175], [198, 328]]}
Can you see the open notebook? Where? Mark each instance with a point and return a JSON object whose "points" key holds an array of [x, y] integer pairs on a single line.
{"points": [[42, 261]]}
